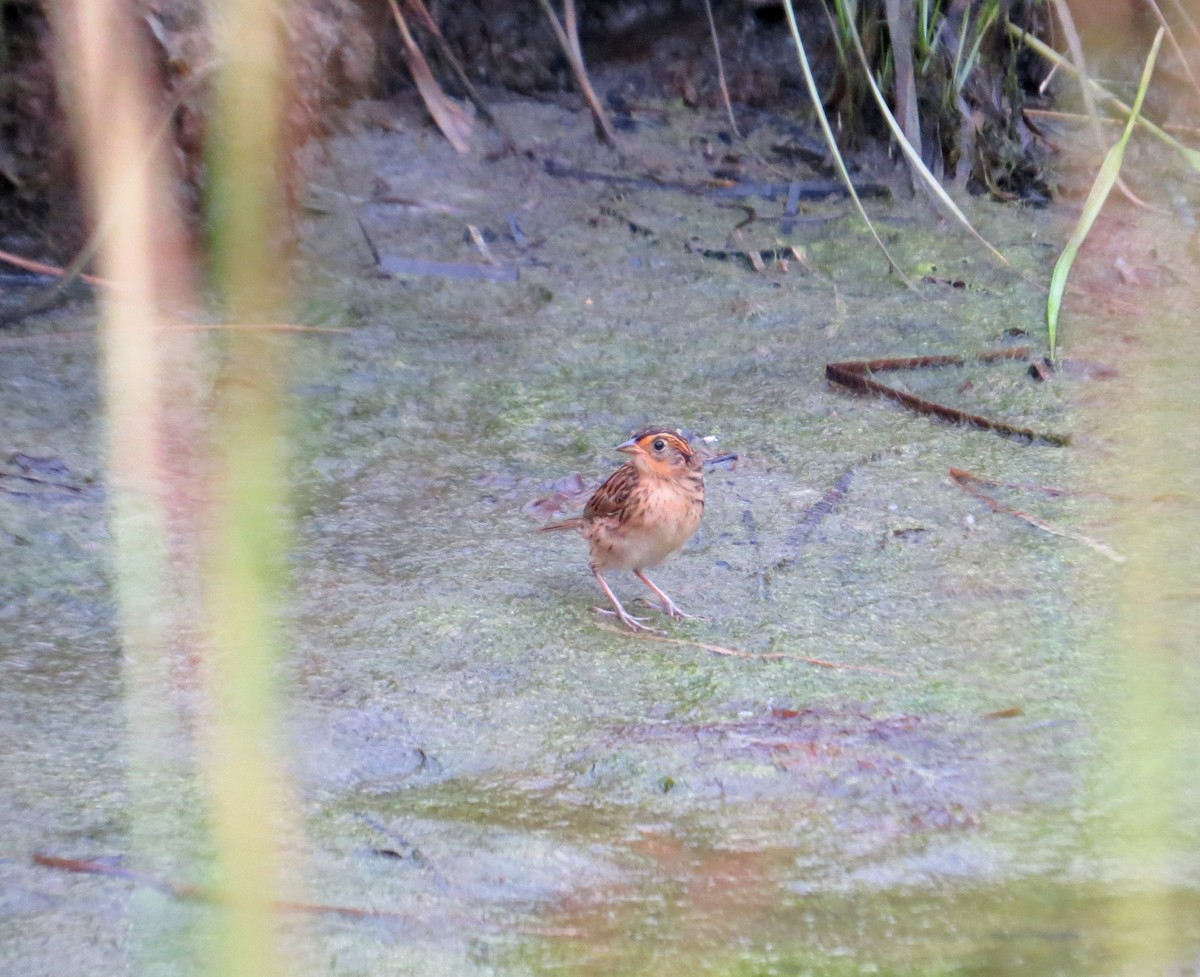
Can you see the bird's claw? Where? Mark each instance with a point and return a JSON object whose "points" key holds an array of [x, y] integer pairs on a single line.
{"points": [[633, 623], [670, 608]]}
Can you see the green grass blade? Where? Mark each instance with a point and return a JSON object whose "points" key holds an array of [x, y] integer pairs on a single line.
{"points": [[840, 163], [962, 72], [1105, 178], [956, 69]]}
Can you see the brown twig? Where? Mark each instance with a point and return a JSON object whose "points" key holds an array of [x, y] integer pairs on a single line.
{"points": [[855, 374], [251, 327], [44, 269], [193, 893], [969, 483], [738, 653], [82, 866], [186, 327]]}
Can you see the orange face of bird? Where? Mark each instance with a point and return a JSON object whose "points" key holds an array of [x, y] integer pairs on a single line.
{"points": [[658, 452]]}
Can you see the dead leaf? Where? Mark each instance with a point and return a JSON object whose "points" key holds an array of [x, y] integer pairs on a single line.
{"points": [[454, 121]]}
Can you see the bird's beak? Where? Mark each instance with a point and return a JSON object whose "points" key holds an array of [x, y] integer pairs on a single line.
{"points": [[630, 447]]}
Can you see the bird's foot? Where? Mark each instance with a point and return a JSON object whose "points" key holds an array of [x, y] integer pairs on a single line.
{"points": [[634, 624], [670, 608], [667, 606]]}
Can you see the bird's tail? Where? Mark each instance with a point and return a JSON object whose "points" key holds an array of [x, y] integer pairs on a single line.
{"points": [[564, 524]]}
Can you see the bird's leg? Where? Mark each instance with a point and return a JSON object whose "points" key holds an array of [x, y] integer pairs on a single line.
{"points": [[668, 606], [631, 622]]}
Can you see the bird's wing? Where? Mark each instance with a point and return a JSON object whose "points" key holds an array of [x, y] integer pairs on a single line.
{"points": [[610, 498]]}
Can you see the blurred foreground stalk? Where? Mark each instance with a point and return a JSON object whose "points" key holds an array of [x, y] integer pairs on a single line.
{"points": [[1147, 795], [244, 568], [215, 526], [105, 78]]}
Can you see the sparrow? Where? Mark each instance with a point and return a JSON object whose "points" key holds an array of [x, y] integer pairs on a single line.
{"points": [[642, 513]]}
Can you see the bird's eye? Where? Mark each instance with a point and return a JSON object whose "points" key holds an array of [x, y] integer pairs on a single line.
{"points": [[659, 444]]}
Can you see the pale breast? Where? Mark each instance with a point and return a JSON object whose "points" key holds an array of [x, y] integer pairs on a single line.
{"points": [[671, 516]]}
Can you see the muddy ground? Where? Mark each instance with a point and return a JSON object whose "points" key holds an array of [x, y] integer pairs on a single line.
{"points": [[517, 787]]}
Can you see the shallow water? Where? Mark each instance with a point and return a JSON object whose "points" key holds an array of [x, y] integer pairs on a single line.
{"points": [[513, 785]]}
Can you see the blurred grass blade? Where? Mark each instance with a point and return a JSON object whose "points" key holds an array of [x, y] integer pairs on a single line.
{"points": [[1181, 58], [246, 538], [106, 84], [963, 67], [1075, 46], [1190, 156], [1103, 184], [840, 163]]}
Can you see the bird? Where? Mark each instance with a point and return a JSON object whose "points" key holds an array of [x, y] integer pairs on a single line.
{"points": [[642, 513]]}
